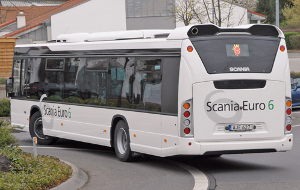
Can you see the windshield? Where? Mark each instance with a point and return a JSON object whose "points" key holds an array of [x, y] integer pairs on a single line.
{"points": [[237, 54]]}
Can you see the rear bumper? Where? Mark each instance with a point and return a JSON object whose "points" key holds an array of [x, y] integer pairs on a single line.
{"points": [[236, 147]]}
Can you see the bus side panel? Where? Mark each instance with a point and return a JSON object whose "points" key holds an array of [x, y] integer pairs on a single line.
{"points": [[20, 111], [169, 138], [93, 125]]}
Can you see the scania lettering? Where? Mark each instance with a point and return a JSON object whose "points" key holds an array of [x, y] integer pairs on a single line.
{"points": [[235, 106], [239, 69], [195, 90]]}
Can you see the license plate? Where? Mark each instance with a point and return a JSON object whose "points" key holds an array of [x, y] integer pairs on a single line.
{"points": [[241, 127]]}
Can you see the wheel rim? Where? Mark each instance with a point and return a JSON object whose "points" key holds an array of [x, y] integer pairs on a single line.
{"points": [[38, 128], [122, 141]]}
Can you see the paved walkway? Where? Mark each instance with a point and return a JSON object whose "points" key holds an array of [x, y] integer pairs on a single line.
{"points": [[2, 91]]}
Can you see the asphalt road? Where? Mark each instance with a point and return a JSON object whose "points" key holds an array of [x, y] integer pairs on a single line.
{"points": [[267, 171], [294, 58], [106, 172]]}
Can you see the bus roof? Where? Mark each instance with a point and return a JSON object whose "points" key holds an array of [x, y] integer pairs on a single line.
{"points": [[176, 34]]}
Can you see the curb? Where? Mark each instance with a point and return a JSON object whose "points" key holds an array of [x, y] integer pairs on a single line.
{"points": [[293, 51], [78, 179]]}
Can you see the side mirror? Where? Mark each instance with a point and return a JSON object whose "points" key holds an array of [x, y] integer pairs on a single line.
{"points": [[297, 86], [8, 87]]}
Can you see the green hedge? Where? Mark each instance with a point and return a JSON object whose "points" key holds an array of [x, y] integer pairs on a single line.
{"points": [[287, 38], [2, 81], [295, 41], [4, 107], [26, 171]]}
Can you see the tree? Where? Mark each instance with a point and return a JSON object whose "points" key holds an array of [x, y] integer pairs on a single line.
{"points": [[202, 11], [267, 7], [248, 4], [292, 13]]}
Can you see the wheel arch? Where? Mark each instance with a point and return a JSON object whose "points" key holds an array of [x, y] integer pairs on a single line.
{"points": [[34, 109], [114, 121]]}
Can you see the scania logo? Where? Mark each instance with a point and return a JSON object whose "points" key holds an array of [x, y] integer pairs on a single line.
{"points": [[236, 69]]}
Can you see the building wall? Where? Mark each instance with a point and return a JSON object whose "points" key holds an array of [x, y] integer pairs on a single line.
{"points": [[91, 16], [37, 35], [7, 46], [149, 23], [9, 28]]}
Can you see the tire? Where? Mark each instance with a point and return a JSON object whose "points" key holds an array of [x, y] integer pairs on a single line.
{"points": [[36, 130], [122, 142]]}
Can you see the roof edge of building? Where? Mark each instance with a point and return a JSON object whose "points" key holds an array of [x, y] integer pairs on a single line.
{"points": [[8, 23], [257, 13]]}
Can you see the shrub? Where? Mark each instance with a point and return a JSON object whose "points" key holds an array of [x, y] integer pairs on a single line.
{"points": [[2, 81], [287, 38], [4, 107], [27, 172], [295, 73], [6, 138], [295, 41], [93, 101], [55, 98], [74, 99]]}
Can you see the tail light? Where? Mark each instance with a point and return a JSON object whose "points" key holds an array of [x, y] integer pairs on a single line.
{"points": [[186, 126], [288, 117]]}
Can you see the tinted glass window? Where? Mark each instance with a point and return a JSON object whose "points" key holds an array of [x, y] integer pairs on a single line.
{"points": [[147, 85], [16, 77], [46, 81], [237, 54], [97, 64], [74, 80], [95, 88], [55, 64], [35, 76], [120, 82]]}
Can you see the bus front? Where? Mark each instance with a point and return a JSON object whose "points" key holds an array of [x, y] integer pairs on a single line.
{"points": [[234, 90]]}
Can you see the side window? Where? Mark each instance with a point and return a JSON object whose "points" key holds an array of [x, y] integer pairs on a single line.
{"points": [[147, 85], [35, 76], [23, 78], [121, 71], [16, 77], [94, 90], [19, 88], [74, 80], [53, 85]]}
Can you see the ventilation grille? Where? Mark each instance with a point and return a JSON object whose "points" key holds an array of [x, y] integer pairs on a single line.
{"points": [[239, 84]]}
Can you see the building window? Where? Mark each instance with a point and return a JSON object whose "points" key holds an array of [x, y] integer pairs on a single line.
{"points": [[148, 8]]}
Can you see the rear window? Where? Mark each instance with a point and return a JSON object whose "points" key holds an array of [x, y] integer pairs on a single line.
{"points": [[237, 54]]}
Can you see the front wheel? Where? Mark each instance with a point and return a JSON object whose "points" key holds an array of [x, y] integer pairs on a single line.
{"points": [[36, 130], [122, 142]]}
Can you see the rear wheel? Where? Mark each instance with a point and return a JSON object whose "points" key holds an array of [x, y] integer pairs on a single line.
{"points": [[36, 130], [122, 142]]}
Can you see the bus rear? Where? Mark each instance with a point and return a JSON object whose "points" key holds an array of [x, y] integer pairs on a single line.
{"points": [[234, 91]]}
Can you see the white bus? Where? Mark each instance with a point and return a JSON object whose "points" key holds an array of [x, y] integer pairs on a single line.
{"points": [[196, 90]]}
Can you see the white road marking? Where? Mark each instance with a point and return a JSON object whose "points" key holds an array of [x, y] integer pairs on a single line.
{"points": [[201, 180], [296, 125]]}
